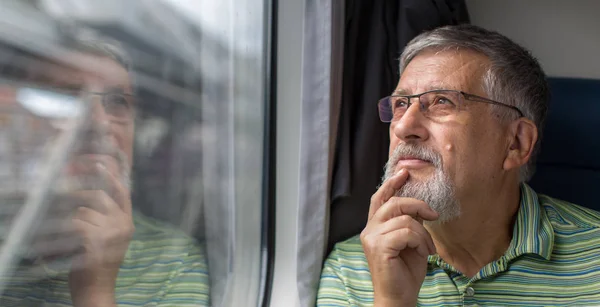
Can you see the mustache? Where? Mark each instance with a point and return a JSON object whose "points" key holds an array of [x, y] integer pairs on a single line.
{"points": [[416, 151], [97, 145], [100, 144]]}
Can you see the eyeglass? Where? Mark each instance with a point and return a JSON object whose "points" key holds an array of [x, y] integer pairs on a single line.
{"points": [[118, 105], [63, 102], [434, 104]]}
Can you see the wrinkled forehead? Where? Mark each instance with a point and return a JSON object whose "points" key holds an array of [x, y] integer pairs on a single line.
{"points": [[461, 70], [74, 70]]}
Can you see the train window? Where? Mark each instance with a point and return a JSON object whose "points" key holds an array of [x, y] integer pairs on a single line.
{"points": [[133, 152]]}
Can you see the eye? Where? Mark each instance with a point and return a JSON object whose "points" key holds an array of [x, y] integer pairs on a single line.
{"points": [[117, 105], [441, 100], [116, 100], [399, 102]]}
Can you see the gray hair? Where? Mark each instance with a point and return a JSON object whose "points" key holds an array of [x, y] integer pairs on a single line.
{"points": [[514, 77], [89, 41]]}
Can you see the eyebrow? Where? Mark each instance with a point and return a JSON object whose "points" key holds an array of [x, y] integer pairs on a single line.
{"points": [[116, 90], [435, 87]]}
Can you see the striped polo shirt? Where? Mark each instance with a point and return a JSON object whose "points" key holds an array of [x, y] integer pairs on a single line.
{"points": [[162, 267], [553, 260]]}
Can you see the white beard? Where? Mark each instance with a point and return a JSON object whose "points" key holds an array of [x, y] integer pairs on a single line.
{"points": [[436, 191], [125, 170]]}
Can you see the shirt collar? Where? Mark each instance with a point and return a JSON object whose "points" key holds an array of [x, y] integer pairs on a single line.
{"points": [[532, 232]]}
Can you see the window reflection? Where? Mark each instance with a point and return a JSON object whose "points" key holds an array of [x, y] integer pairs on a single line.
{"points": [[91, 245], [131, 154]]}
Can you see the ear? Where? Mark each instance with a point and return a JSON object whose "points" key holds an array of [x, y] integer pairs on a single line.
{"points": [[523, 135]]}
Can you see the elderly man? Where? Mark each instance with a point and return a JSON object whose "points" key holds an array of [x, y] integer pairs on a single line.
{"points": [[454, 222], [97, 251]]}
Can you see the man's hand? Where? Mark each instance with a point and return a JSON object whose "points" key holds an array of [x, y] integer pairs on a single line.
{"points": [[104, 223], [396, 244]]}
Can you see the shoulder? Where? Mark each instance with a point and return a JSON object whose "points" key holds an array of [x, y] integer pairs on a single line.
{"points": [[152, 233], [348, 261], [576, 228], [346, 279], [160, 244], [565, 214], [349, 247], [163, 264]]}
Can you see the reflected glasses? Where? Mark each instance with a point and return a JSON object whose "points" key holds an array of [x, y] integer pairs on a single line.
{"points": [[433, 104], [60, 103]]}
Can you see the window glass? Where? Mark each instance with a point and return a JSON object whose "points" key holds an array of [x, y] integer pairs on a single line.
{"points": [[132, 152]]}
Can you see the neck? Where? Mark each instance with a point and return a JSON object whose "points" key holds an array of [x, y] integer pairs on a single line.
{"points": [[482, 233]]}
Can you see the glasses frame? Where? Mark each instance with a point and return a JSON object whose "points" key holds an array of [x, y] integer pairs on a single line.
{"points": [[381, 103], [130, 98]]}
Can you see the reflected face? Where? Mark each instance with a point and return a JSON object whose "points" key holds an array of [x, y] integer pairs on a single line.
{"points": [[44, 89], [104, 84], [108, 138], [450, 156]]}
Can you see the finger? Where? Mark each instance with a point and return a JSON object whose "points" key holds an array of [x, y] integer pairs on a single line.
{"points": [[116, 188], [86, 216], [406, 221], [97, 200], [64, 245], [78, 166], [89, 180], [401, 239], [397, 206], [386, 191], [51, 226]]}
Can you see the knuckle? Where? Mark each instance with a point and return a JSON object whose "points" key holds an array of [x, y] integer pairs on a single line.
{"points": [[365, 237], [405, 232], [375, 199], [103, 197], [367, 241], [406, 220], [82, 211]]}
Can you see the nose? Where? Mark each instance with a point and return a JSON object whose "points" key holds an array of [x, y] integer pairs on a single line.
{"points": [[99, 119], [410, 127]]}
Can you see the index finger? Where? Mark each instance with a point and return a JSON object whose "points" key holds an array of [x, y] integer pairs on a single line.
{"points": [[115, 188], [387, 190], [399, 206]]}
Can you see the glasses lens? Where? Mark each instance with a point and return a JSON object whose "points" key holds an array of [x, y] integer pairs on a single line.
{"points": [[118, 106], [385, 110], [399, 106], [440, 103], [48, 104]]}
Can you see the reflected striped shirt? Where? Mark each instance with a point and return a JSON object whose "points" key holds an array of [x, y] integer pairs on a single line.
{"points": [[552, 260], [162, 267]]}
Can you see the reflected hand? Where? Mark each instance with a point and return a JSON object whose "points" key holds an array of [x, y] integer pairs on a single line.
{"points": [[396, 244], [104, 223]]}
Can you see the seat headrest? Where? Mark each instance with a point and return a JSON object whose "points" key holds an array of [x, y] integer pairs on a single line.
{"points": [[569, 166]]}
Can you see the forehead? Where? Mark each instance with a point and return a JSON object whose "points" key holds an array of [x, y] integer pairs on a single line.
{"points": [[74, 70], [452, 69]]}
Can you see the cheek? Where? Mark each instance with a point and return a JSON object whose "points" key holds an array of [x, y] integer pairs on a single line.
{"points": [[450, 160], [453, 148], [477, 157], [124, 136], [393, 142]]}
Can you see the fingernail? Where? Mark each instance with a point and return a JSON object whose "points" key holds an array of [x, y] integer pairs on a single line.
{"points": [[100, 166], [400, 172]]}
